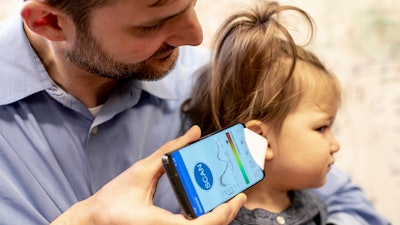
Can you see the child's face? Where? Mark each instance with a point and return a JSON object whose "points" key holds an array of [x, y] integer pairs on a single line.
{"points": [[303, 152]]}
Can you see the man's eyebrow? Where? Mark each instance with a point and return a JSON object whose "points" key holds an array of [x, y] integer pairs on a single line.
{"points": [[172, 16]]}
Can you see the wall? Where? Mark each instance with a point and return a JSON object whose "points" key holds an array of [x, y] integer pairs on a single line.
{"points": [[359, 41]]}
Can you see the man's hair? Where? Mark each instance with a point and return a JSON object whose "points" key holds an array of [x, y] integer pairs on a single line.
{"points": [[79, 10]]}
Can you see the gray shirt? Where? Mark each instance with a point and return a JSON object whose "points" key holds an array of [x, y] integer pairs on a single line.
{"points": [[305, 209]]}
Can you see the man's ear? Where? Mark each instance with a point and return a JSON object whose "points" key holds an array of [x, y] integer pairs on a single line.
{"points": [[44, 20]]}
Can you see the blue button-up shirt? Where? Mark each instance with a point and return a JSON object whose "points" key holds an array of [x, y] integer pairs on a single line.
{"points": [[54, 152]]}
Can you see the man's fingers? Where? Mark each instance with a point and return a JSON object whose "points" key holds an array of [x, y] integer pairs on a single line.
{"points": [[151, 167], [224, 213], [193, 134]]}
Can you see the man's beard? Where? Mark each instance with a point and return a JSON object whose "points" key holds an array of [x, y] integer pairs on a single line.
{"points": [[87, 54]]}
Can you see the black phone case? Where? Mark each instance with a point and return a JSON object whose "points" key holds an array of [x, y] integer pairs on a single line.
{"points": [[176, 183]]}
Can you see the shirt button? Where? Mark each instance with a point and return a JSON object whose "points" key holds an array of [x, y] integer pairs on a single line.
{"points": [[280, 220], [95, 130]]}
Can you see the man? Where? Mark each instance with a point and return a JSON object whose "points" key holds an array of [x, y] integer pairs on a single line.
{"points": [[90, 88]]}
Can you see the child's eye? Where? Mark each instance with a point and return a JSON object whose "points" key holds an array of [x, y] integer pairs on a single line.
{"points": [[322, 129]]}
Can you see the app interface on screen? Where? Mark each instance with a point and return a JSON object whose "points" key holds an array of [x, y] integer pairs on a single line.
{"points": [[218, 168]]}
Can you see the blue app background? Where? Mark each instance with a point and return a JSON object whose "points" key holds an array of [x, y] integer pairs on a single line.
{"points": [[216, 169]]}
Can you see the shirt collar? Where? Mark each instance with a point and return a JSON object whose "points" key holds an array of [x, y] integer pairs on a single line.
{"points": [[23, 74], [21, 71], [164, 88], [178, 81]]}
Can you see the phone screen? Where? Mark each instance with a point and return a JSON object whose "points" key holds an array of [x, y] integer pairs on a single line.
{"points": [[214, 169]]}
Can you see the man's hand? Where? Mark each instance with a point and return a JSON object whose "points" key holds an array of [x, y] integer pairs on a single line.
{"points": [[128, 199]]}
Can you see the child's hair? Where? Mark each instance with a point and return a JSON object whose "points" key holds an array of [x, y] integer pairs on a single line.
{"points": [[257, 72]]}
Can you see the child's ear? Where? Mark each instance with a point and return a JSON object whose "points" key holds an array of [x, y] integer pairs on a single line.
{"points": [[44, 20], [270, 153], [261, 129], [258, 127]]}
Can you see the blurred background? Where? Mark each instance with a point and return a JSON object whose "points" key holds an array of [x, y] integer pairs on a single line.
{"points": [[358, 40]]}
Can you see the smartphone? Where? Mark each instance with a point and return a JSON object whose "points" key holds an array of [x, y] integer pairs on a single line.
{"points": [[212, 170]]}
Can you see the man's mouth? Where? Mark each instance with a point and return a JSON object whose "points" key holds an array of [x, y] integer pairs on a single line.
{"points": [[164, 53]]}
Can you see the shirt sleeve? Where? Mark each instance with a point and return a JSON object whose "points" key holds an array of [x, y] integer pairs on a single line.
{"points": [[347, 204]]}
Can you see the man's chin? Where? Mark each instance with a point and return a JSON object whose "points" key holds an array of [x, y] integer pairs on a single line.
{"points": [[160, 67]]}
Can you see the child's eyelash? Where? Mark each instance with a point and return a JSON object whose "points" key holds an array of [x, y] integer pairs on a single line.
{"points": [[322, 128]]}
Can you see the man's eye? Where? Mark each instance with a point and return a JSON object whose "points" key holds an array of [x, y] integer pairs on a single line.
{"points": [[151, 28]]}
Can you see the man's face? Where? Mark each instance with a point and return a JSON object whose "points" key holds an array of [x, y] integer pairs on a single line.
{"points": [[133, 40]]}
